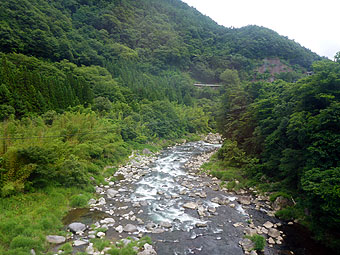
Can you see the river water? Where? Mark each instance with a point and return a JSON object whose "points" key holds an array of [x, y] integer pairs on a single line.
{"points": [[155, 203], [167, 187]]}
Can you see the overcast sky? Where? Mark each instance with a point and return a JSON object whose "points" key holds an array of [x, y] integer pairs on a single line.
{"points": [[315, 24]]}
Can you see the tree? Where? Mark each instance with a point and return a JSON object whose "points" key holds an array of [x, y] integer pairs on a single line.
{"points": [[337, 57], [230, 77]]}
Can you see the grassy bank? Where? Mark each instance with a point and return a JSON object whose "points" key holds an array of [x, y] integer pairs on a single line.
{"points": [[50, 164]]}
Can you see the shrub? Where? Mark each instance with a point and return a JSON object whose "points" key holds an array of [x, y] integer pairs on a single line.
{"points": [[231, 154], [79, 200], [66, 248], [25, 242], [100, 244], [259, 242], [278, 194]]}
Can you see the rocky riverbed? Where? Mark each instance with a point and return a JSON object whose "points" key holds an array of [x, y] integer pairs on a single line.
{"points": [[166, 197]]}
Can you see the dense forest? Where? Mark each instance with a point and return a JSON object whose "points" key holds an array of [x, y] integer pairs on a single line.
{"points": [[83, 83], [286, 136]]}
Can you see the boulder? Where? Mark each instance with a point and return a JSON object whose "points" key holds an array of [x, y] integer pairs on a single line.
{"points": [[250, 231], [245, 200], [281, 202], [268, 225], [79, 242], [92, 201], [190, 205], [112, 193], [148, 250], [107, 221], [119, 229], [272, 232], [55, 239], [215, 200], [100, 234], [77, 227], [101, 201], [271, 240], [150, 226], [201, 225], [130, 228], [165, 224], [246, 244], [158, 231], [99, 190]]}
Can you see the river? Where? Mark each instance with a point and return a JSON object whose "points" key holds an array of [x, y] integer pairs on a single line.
{"points": [[182, 211]]}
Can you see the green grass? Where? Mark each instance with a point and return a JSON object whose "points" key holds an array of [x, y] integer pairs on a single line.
{"points": [[100, 244], [258, 241], [80, 200], [232, 177], [26, 219]]}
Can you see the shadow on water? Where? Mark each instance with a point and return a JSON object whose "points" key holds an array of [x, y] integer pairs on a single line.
{"points": [[83, 215], [299, 239]]}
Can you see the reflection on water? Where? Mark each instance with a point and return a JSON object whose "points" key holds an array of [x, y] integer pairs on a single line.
{"points": [[83, 215]]}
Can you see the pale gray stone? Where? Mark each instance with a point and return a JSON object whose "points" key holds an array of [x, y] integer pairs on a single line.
{"points": [[130, 228], [268, 225], [55, 239], [119, 229], [148, 250], [272, 232], [245, 200], [165, 224], [190, 205], [77, 227], [201, 225], [79, 242], [112, 193], [100, 234]]}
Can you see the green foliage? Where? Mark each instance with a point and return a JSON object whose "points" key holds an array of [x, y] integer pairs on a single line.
{"points": [[231, 154], [79, 200], [259, 242], [141, 43], [66, 248], [292, 129], [275, 195], [26, 219], [290, 213], [100, 244]]}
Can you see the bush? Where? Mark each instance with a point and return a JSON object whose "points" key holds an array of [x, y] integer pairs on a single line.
{"points": [[290, 213], [259, 242], [275, 195], [79, 200], [231, 154], [25, 242], [66, 248]]}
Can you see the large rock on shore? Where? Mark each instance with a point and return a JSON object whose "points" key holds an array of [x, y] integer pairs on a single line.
{"points": [[190, 205], [77, 227], [55, 239]]}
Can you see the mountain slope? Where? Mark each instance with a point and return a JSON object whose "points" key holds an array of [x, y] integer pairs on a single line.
{"points": [[158, 35]]}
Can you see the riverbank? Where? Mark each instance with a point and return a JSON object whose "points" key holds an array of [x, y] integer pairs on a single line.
{"points": [[27, 218], [167, 198]]}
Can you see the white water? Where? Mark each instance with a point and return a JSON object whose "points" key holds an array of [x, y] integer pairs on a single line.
{"points": [[158, 187]]}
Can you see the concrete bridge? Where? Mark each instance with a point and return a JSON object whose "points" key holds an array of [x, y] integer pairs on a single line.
{"points": [[214, 86]]}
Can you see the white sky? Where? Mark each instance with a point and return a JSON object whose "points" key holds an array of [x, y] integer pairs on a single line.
{"points": [[315, 24]]}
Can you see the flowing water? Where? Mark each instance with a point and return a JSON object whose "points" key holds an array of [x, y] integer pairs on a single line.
{"points": [[167, 187], [155, 204]]}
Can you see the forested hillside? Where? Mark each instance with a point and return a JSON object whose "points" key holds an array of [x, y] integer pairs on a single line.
{"points": [[285, 136], [158, 35]]}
